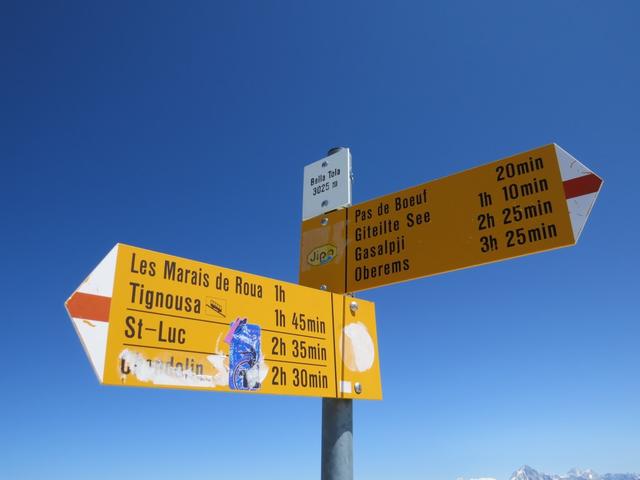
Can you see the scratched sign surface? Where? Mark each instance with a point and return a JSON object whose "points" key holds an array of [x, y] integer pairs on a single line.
{"points": [[153, 320]]}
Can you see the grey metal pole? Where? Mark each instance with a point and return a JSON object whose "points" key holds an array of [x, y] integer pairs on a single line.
{"points": [[337, 432], [337, 439]]}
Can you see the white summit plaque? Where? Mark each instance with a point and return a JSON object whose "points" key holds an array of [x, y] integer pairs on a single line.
{"points": [[327, 184]]}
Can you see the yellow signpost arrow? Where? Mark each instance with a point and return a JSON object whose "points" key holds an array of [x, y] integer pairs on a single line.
{"points": [[531, 202], [153, 320]]}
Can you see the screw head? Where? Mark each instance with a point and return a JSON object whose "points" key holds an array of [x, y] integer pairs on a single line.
{"points": [[323, 287], [357, 388], [353, 306], [324, 221], [325, 164], [324, 203]]}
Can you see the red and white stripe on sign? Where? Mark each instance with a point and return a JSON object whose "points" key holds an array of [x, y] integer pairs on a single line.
{"points": [[89, 308], [576, 187], [581, 187]]}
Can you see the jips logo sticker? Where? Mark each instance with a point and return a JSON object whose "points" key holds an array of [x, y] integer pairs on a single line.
{"points": [[321, 255]]}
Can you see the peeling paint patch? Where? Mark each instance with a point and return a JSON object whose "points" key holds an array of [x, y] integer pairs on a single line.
{"points": [[220, 363], [359, 353], [159, 372]]}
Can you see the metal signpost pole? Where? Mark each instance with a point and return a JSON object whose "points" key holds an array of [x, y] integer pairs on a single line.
{"points": [[337, 439], [337, 430]]}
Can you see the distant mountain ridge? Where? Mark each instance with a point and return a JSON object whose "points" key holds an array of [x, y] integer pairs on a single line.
{"points": [[528, 473]]}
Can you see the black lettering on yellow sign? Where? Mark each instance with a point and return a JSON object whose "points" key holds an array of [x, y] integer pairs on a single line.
{"points": [[509, 208], [250, 289], [174, 272], [163, 333], [364, 272], [511, 169], [176, 322], [301, 377], [151, 299], [408, 201], [142, 266]]}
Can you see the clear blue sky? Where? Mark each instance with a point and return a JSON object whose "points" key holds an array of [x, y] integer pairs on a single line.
{"points": [[183, 127]]}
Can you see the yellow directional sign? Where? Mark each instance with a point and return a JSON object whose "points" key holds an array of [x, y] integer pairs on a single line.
{"points": [[534, 201], [153, 320]]}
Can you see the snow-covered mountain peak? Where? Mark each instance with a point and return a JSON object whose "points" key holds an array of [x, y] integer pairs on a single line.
{"points": [[578, 474], [529, 473]]}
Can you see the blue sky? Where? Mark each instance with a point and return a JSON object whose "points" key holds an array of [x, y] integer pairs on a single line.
{"points": [[184, 128]]}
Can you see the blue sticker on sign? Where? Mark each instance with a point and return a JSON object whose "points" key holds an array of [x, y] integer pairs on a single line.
{"points": [[244, 355]]}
